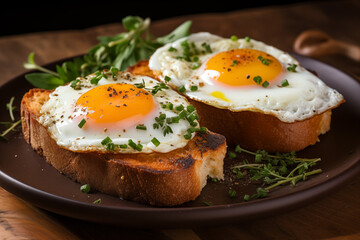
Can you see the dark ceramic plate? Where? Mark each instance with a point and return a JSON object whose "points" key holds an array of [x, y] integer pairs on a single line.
{"points": [[27, 175]]}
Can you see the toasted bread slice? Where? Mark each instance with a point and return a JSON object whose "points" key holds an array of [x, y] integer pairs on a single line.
{"points": [[161, 179], [255, 130]]}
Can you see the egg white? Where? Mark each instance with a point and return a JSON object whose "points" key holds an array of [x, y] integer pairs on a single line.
{"points": [[305, 96], [57, 115]]}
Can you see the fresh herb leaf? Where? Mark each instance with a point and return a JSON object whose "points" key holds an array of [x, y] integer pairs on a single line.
{"points": [[292, 68], [284, 83], [85, 188], [116, 52], [44, 80]]}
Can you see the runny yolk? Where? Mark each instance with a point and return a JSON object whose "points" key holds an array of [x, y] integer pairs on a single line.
{"points": [[117, 103], [238, 67]]}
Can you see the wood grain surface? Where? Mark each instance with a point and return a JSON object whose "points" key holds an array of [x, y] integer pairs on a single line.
{"points": [[336, 216]]}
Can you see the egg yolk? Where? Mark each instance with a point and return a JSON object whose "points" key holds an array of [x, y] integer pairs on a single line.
{"points": [[117, 103], [239, 67]]}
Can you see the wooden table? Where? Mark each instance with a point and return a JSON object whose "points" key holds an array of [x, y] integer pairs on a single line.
{"points": [[336, 216]]}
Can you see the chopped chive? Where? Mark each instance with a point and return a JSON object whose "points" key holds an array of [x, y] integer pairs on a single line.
{"points": [[123, 146], [167, 79], [181, 89], [234, 38], [179, 108], [187, 136], [232, 193], [132, 144], [265, 84], [110, 146], [85, 188], [203, 129], [257, 79], [106, 141], [207, 203], [170, 106], [247, 39], [190, 108], [155, 141], [182, 114], [235, 62], [135, 146], [175, 119], [194, 88], [285, 83], [246, 197], [82, 123], [97, 201], [141, 127], [264, 61], [292, 68]]}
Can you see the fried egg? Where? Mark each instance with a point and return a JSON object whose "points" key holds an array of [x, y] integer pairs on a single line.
{"points": [[243, 75], [118, 112]]}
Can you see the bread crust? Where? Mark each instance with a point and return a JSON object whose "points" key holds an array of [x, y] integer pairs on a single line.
{"points": [[160, 179], [255, 130]]}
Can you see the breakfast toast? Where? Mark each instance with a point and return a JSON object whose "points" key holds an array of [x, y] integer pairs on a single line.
{"points": [[159, 179], [254, 130]]}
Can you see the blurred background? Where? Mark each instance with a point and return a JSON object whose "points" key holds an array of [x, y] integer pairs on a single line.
{"points": [[18, 18]]}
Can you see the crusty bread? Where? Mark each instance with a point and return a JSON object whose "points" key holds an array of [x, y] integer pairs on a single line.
{"points": [[255, 130], [161, 179]]}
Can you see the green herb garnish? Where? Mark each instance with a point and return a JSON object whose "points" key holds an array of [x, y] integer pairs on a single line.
{"points": [[116, 53], [107, 142], [97, 201], [85, 188], [135, 146], [292, 68], [158, 87], [265, 84], [76, 84], [181, 89], [82, 123], [247, 39], [167, 79], [264, 61], [193, 88], [9, 125], [232, 193], [141, 127], [257, 79], [275, 170], [284, 83], [140, 85], [155, 141]]}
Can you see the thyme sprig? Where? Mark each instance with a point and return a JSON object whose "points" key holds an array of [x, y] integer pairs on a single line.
{"points": [[274, 170], [9, 125]]}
